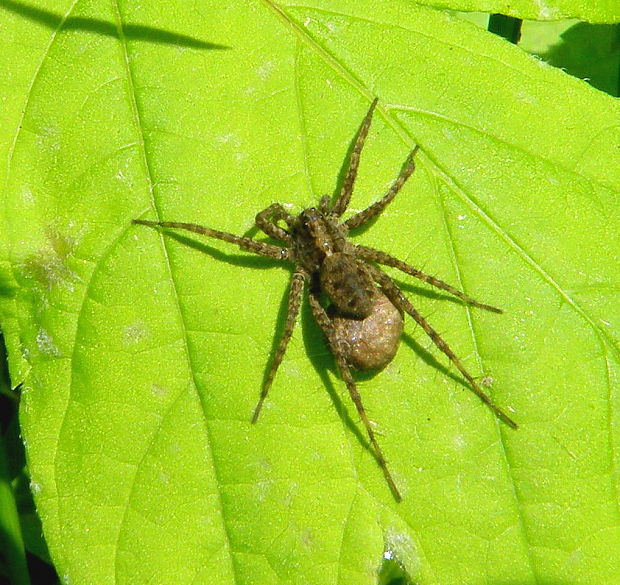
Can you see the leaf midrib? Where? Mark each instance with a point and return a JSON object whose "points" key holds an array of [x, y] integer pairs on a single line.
{"points": [[135, 113]]}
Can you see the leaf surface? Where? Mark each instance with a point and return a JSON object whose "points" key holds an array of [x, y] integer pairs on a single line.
{"points": [[142, 353]]}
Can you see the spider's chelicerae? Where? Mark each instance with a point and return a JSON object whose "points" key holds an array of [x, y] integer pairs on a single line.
{"points": [[356, 304]]}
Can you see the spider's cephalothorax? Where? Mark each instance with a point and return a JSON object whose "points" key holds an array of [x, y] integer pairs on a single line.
{"points": [[358, 306], [320, 246]]}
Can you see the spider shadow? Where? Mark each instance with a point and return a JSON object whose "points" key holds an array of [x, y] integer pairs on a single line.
{"points": [[344, 167], [316, 346], [426, 355], [430, 293], [245, 260], [429, 358], [323, 361], [369, 223]]}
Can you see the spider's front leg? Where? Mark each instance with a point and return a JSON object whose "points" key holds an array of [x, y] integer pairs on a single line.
{"points": [[261, 248], [377, 208], [341, 204], [324, 322]]}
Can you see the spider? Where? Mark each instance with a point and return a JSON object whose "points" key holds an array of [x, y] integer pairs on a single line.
{"points": [[363, 319]]}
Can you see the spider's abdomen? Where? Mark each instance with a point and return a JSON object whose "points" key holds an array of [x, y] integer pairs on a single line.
{"points": [[348, 285], [370, 343]]}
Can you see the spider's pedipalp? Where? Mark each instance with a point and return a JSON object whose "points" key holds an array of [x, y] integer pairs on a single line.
{"points": [[377, 208], [294, 301], [341, 204], [261, 248], [373, 255], [335, 344], [397, 297], [267, 220]]}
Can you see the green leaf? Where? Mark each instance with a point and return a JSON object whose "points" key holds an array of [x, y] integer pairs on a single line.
{"points": [[142, 356], [588, 51], [11, 538], [599, 11]]}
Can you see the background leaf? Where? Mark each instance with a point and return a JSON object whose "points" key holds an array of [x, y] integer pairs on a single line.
{"points": [[142, 356], [600, 11], [589, 51]]}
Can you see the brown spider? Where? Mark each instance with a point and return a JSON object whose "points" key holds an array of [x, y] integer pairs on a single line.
{"points": [[363, 321]]}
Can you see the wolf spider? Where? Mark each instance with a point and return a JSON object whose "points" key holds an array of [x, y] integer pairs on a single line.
{"points": [[346, 275]]}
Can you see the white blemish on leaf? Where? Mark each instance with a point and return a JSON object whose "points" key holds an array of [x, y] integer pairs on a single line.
{"points": [[332, 27], [400, 548], [135, 333], [159, 391], [230, 137], [547, 12], [27, 195], [265, 69], [459, 442], [487, 381], [46, 344]]}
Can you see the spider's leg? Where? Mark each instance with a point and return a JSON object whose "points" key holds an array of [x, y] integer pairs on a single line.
{"points": [[341, 204], [294, 301], [372, 255], [261, 248], [401, 302], [325, 324], [267, 220], [376, 208]]}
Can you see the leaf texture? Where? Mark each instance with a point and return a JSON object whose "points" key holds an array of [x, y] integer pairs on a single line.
{"points": [[142, 354]]}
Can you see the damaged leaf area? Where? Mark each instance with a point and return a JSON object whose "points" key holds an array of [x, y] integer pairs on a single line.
{"points": [[142, 354]]}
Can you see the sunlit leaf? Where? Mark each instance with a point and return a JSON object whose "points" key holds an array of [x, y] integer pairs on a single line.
{"points": [[142, 356]]}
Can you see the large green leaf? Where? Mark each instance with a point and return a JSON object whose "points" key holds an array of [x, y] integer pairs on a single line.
{"points": [[142, 356]]}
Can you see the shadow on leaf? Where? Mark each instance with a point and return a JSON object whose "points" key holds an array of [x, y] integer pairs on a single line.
{"points": [[103, 27]]}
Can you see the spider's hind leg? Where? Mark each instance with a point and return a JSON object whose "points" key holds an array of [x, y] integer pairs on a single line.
{"points": [[401, 302], [294, 301], [325, 324]]}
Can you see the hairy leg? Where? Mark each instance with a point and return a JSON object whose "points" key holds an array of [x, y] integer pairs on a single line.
{"points": [[325, 324], [401, 302], [267, 220], [294, 301], [261, 248], [372, 255], [346, 191], [376, 208]]}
